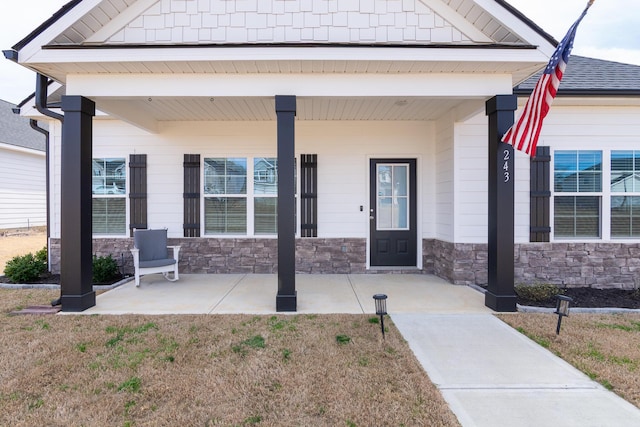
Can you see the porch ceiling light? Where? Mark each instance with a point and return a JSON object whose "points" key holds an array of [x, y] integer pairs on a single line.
{"points": [[562, 309], [381, 309]]}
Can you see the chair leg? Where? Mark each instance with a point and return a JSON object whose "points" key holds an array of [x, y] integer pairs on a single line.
{"points": [[175, 275]]}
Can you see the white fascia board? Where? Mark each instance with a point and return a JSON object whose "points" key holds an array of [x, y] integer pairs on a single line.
{"points": [[305, 85], [274, 53], [524, 31], [45, 37]]}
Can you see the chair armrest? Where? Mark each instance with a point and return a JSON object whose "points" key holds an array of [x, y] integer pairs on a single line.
{"points": [[176, 251], [136, 256]]}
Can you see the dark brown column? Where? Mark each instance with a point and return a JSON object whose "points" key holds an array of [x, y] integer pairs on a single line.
{"points": [[286, 299], [500, 295], [76, 217]]}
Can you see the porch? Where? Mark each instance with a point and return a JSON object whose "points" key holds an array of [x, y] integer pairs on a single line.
{"points": [[254, 294]]}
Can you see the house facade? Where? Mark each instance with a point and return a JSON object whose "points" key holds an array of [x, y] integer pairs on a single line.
{"points": [[189, 108], [22, 176]]}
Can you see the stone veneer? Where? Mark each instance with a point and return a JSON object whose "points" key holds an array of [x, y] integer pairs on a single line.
{"points": [[598, 265], [601, 265], [250, 255]]}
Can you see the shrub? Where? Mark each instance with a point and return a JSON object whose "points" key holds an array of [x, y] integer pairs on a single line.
{"points": [[538, 293], [41, 255], [105, 269], [26, 268]]}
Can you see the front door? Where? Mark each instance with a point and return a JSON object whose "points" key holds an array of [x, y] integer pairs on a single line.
{"points": [[392, 206]]}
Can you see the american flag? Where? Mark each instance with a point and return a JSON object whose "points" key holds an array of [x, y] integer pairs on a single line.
{"points": [[525, 133]]}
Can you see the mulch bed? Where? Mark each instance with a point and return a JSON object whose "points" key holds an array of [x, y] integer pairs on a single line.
{"points": [[594, 298]]}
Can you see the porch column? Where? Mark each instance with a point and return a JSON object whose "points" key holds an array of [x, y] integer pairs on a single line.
{"points": [[75, 216], [286, 300], [500, 295]]}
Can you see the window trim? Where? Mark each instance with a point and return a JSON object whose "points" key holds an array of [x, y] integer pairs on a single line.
{"points": [[605, 198], [552, 205], [124, 196], [250, 197]]}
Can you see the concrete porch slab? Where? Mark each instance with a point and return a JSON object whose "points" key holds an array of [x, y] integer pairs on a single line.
{"points": [[317, 293]]}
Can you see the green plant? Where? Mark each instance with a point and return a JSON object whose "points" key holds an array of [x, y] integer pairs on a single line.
{"points": [[131, 385], [105, 269], [343, 339], [26, 268], [538, 293]]}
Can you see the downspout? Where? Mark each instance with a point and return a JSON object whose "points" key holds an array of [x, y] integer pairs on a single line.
{"points": [[34, 126], [42, 83]]}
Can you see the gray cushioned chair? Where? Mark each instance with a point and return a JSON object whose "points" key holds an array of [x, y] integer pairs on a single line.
{"points": [[151, 255]]}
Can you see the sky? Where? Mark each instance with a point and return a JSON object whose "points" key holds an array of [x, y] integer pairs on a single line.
{"points": [[611, 31]]}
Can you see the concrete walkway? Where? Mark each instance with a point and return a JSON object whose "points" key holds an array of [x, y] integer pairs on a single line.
{"points": [[490, 374]]}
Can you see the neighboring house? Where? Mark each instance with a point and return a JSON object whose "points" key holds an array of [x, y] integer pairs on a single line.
{"points": [[194, 97], [23, 172]]}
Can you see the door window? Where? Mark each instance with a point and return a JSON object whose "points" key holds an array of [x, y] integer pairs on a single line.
{"points": [[392, 196]]}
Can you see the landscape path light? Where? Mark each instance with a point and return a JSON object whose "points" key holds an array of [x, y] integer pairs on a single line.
{"points": [[381, 309], [562, 309]]}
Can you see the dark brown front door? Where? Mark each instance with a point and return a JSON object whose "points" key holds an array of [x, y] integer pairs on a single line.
{"points": [[393, 212]]}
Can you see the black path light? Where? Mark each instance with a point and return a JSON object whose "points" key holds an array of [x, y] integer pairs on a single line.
{"points": [[562, 309], [381, 309]]}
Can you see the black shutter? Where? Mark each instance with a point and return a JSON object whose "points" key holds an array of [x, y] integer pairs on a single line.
{"points": [[540, 187], [137, 191], [191, 195], [309, 195]]}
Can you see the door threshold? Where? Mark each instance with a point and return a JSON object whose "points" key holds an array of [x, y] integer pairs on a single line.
{"points": [[394, 268]]}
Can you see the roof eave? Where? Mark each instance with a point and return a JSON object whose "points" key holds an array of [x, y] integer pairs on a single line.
{"points": [[46, 24]]}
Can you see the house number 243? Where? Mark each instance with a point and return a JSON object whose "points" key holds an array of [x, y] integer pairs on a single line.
{"points": [[505, 166]]}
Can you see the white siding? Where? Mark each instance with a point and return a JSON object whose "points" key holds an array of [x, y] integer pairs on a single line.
{"points": [[566, 127], [471, 208], [343, 148], [444, 180], [22, 188]]}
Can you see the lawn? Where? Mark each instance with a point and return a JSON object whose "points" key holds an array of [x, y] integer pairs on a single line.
{"points": [[231, 370], [605, 347]]}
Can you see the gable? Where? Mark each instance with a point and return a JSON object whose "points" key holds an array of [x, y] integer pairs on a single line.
{"points": [[250, 21], [152, 22]]}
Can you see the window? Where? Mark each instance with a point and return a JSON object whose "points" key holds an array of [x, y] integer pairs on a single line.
{"points": [[225, 195], [108, 187], [237, 205], [578, 193], [265, 190], [625, 194]]}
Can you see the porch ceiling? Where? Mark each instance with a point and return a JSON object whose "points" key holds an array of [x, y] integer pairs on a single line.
{"points": [[153, 110]]}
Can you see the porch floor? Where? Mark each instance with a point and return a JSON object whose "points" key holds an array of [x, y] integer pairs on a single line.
{"points": [[256, 294]]}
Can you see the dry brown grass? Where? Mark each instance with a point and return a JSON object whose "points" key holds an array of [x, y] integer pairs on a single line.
{"points": [[605, 347], [208, 370], [20, 242]]}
